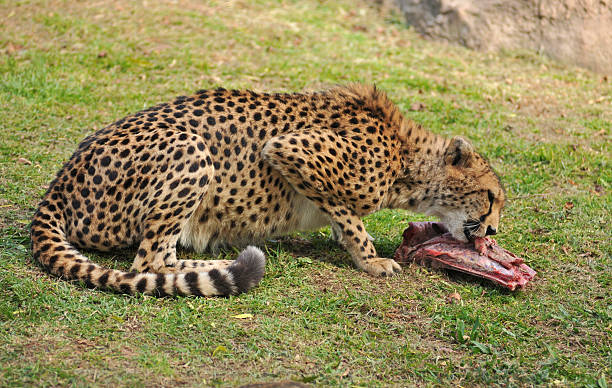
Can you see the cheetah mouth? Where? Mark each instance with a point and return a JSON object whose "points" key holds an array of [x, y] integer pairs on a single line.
{"points": [[468, 234], [470, 228]]}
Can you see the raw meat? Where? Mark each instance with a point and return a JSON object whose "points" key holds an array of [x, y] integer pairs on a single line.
{"points": [[429, 243]]}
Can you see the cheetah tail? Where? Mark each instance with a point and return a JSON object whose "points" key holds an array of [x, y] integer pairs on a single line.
{"points": [[53, 251]]}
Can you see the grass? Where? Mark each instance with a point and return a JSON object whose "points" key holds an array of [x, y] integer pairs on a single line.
{"points": [[68, 68]]}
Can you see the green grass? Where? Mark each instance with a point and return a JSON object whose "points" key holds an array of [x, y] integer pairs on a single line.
{"points": [[67, 68]]}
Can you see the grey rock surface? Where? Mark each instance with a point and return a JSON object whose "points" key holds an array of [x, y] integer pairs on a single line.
{"points": [[574, 31]]}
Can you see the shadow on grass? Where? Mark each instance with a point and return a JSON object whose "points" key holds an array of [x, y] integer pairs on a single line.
{"points": [[299, 247]]}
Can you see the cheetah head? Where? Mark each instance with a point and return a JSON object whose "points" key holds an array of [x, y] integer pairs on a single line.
{"points": [[460, 188], [470, 196]]}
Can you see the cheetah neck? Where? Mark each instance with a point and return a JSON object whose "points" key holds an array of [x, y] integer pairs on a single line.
{"points": [[422, 169], [423, 153]]}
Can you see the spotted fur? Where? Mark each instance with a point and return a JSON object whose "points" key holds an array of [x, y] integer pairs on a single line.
{"points": [[227, 167]]}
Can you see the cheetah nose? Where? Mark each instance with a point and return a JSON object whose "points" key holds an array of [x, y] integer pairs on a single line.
{"points": [[490, 231]]}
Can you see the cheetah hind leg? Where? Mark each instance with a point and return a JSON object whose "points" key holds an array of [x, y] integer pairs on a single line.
{"points": [[187, 172], [170, 213]]}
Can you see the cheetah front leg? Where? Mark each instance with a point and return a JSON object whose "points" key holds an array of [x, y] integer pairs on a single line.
{"points": [[355, 239], [336, 234], [305, 160]]}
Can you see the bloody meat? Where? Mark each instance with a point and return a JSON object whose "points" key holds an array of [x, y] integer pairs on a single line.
{"points": [[429, 243]]}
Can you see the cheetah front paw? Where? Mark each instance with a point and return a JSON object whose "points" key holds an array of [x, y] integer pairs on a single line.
{"points": [[380, 266]]}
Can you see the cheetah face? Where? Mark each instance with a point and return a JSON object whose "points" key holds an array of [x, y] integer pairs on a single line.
{"points": [[471, 196]]}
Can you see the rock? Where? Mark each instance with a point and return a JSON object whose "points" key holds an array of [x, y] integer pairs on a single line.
{"points": [[574, 31]]}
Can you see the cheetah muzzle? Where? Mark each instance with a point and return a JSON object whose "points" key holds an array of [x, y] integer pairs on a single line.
{"points": [[228, 167]]}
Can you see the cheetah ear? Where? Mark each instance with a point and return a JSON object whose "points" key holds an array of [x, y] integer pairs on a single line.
{"points": [[459, 153]]}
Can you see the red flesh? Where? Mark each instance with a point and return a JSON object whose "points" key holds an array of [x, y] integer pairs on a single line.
{"points": [[430, 243]]}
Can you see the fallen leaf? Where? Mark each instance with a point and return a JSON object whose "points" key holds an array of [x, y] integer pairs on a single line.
{"points": [[568, 206], [219, 349], [12, 48], [417, 106], [243, 316], [24, 161], [598, 189], [453, 297]]}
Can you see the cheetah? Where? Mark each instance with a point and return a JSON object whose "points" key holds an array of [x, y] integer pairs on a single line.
{"points": [[231, 168]]}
